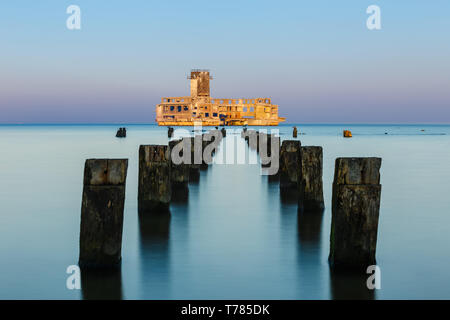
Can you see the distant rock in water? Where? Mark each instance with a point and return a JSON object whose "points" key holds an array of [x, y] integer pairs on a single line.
{"points": [[121, 133]]}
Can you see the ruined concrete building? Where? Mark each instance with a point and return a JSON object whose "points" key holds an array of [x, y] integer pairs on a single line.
{"points": [[200, 108]]}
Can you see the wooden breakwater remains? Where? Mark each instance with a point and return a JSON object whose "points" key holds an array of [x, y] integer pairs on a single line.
{"points": [[102, 212], [300, 167], [154, 189], [355, 213], [165, 172], [355, 199]]}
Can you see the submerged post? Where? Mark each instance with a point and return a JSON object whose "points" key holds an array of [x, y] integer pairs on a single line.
{"points": [[102, 212], [154, 189], [290, 164], [294, 133], [355, 212], [310, 184]]}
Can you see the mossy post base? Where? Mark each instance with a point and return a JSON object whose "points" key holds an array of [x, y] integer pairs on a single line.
{"points": [[102, 213]]}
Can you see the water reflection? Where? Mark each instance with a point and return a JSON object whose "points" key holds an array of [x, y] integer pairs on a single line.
{"points": [[180, 194], [309, 252], [289, 196], [350, 286], [101, 284], [154, 233], [309, 224]]}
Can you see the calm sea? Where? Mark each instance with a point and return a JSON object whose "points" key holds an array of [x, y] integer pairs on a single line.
{"points": [[234, 238]]}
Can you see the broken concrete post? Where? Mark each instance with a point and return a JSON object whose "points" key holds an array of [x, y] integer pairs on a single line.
{"points": [[355, 212], [311, 186], [170, 132], [102, 212], [294, 133], [290, 164], [154, 189]]}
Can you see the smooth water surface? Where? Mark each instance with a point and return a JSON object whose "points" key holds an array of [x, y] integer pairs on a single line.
{"points": [[234, 237]]}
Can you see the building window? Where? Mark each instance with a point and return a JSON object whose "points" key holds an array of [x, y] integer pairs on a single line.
{"points": [[186, 108], [179, 108], [207, 114], [214, 114], [172, 108]]}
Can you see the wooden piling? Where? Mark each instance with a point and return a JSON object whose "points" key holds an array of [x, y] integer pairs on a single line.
{"points": [[102, 212], [170, 132], [290, 164], [194, 168], [355, 212], [310, 183], [179, 173], [294, 132], [267, 140], [154, 191]]}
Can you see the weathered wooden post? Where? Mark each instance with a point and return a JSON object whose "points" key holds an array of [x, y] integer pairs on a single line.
{"points": [[294, 133], [355, 212], [290, 164], [310, 183], [170, 132], [179, 173], [154, 189], [121, 133], [269, 141], [196, 149], [102, 212], [224, 132]]}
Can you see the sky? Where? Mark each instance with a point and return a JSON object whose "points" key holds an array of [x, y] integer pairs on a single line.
{"points": [[316, 59]]}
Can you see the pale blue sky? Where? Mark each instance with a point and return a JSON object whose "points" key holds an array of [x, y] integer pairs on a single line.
{"points": [[316, 59]]}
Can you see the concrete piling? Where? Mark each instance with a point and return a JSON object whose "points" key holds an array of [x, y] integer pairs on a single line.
{"points": [[102, 212], [355, 212], [290, 164], [154, 190], [310, 183]]}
